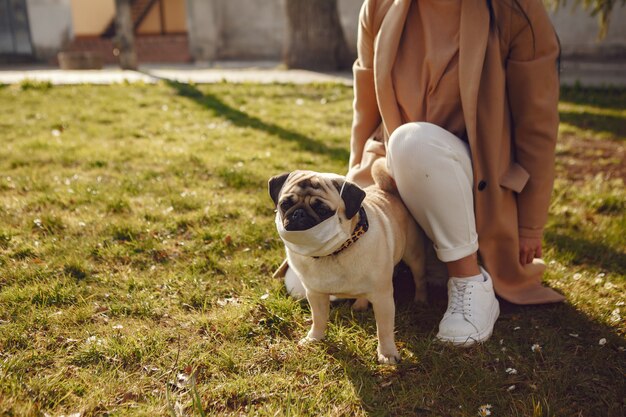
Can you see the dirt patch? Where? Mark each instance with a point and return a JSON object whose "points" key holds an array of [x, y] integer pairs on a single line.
{"points": [[579, 158]]}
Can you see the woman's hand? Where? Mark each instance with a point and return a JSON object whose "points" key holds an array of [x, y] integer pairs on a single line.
{"points": [[529, 248]]}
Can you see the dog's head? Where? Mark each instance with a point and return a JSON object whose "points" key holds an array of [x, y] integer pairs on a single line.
{"points": [[307, 198]]}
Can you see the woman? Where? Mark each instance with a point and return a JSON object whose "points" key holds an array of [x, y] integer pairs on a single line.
{"points": [[461, 98]]}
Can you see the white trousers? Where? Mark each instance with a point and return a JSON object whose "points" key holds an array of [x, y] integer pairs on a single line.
{"points": [[433, 172]]}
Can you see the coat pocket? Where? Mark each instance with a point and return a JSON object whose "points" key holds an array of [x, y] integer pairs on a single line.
{"points": [[515, 177]]}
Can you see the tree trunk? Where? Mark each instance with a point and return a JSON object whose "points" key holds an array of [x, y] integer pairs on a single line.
{"points": [[125, 38], [315, 38]]}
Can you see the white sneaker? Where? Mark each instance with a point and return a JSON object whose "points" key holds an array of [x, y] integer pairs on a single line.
{"points": [[472, 312], [294, 285]]}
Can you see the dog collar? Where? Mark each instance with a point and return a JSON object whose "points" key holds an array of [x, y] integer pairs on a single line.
{"points": [[359, 230]]}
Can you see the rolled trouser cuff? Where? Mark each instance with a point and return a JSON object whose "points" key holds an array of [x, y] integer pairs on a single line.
{"points": [[454, 254]]}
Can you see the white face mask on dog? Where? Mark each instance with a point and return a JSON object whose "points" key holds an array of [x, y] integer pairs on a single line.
{"points": [[320, 240]]}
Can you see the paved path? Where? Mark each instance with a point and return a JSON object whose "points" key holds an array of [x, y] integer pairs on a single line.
{"points": [[584, 73], [257, 72]]}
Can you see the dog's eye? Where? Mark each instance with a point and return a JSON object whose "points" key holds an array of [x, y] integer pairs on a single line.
{"points": [[321, 209], [286, 204]]}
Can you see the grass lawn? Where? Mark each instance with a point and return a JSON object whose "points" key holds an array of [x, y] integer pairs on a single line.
{"points": [[137, 243]]}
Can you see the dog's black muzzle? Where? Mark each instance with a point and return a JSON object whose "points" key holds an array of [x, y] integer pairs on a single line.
{"points": [[300, 220]]}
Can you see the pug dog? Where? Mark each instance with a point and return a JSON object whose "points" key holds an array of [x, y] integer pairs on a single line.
{"points": [[344, 241]]}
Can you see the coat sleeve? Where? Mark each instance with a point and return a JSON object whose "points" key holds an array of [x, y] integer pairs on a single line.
{"points": [[533, 91], [366, 116]]}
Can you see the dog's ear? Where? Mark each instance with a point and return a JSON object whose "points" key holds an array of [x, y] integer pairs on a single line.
{"points": [[352, 197], [275, 184]]}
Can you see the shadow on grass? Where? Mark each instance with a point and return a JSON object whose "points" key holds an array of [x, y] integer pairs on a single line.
{"points": [[584, 251], [608, 98], [572, 374], [241, 119], [613, 125]]}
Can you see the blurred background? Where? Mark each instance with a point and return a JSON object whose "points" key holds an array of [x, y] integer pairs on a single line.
{"points": [[205, 31]]}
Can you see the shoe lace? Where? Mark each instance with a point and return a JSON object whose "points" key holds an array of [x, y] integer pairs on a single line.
{"points": [[460, 298]]}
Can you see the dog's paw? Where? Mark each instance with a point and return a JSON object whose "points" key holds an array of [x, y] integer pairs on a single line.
{"points": [[391, 358], [361, 304], [311, 337], [308, 340]]}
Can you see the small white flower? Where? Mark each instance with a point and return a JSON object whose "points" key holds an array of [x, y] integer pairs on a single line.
{"points": [[511, 371], [516, 328], [536, 347], [609, 286], [93, 340], [265, 296], [577, 276], [615, 316], [82, 224], [118, 327], [598, 281], [299, 102], [602, 342], [620, 303], [511, 388], [501, 342], [56, 132]]}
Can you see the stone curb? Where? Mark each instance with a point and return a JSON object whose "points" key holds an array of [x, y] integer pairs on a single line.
{"points": [[152, 74], [572, 73]]}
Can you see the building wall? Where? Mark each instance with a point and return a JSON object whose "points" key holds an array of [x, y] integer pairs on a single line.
{"points": [[50, 26], [91, 17], [255, 29], [175, 18], [250, 29], [578, 34], [151, 23]]}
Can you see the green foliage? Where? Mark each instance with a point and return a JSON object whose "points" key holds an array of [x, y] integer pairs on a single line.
{"points": [[28, 84]]}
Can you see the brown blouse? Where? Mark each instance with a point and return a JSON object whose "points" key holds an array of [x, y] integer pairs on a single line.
{"points": [[432, 53]]}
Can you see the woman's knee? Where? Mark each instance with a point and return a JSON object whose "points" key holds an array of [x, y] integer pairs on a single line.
{"points": [[410, 141]]}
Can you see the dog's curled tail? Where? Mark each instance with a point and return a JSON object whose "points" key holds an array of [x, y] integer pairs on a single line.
{"points": [[383, 178]]}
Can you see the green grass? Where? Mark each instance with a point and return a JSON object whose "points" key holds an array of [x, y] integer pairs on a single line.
{"points": [[137, 245]]}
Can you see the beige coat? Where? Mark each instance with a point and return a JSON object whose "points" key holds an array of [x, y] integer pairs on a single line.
{"points": [[509, 94]]}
